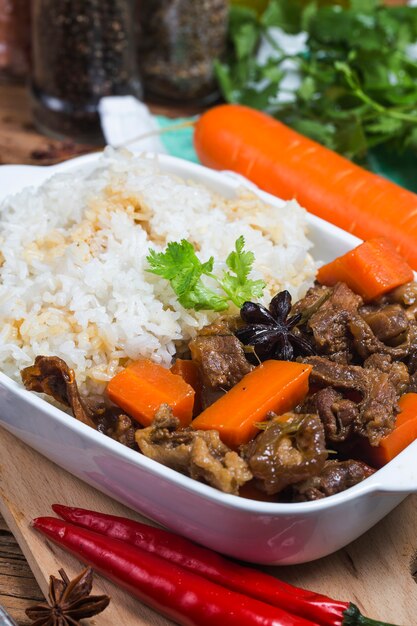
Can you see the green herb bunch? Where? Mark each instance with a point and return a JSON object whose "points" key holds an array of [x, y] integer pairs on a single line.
{"points": [[358, 82], [180, 265]]}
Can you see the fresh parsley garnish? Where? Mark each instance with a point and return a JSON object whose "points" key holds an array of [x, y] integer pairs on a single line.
{"points": [[358, 81], [180, 265]]}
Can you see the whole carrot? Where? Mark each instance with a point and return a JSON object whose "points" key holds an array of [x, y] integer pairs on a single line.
{"points": [[214, 567], [287, 164], [183, 596]]}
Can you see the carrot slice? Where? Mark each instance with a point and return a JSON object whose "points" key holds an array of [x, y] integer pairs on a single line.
{"points": [[272, 386], [143, 386], [190, 372], [404, 433], [283, 162], [371, 269]]}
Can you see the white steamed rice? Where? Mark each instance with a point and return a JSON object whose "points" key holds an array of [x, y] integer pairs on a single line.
{"points": [[73, 263]]}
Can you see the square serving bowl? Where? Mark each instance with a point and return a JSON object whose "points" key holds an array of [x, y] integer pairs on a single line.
{"points": [[260, 532]]}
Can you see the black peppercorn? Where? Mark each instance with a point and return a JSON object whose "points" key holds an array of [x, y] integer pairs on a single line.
{"points": [[83, 50], [178, 43]]}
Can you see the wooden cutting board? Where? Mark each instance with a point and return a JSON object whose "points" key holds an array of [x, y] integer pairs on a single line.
{"points": [[375, 571]]}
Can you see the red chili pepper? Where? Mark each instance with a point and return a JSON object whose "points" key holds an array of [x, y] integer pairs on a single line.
{"points": [[214, 567], [177, 593]]}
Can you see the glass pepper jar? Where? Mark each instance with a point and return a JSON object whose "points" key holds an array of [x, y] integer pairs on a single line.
{"points": [[178, 42], [83, 50]]}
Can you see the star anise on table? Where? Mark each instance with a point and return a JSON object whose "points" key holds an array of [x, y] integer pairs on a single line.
{"points": [[69, 601], [271, 332]]}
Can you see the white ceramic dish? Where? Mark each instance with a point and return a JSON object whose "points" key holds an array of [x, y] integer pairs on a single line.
{"points": [[254, 531]]}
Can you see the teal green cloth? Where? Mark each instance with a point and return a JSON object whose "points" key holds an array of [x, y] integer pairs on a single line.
{"points": [[179, 141], [402, 170]]}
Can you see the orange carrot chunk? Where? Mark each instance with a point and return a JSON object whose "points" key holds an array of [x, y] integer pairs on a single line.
{"points": [[404, 433], [371, 269], [143, 386], [190, 372], [289, 165], [276, 386]]}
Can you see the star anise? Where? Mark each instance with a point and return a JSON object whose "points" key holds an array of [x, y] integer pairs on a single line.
{"points": [[69, 601], [272, 332]]}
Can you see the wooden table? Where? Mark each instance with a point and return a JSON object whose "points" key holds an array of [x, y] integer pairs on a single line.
{"points": [[20, 143], [18, 587]]}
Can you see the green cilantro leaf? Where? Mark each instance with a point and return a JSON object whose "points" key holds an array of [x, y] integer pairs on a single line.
{"points": [[358, 82], [180, 265], [240, 288], [240, 293], [240, 262], [201, 298]]}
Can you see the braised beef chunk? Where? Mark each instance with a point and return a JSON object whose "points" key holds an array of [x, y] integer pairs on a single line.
{"points": [[220, 356], [326, 373], [336, 476], [412, 352], [378, 409], [365, 342], [222, 360], [123, 431], [196, 453], [329, 324], [378, 402], [338, 414], [312, 301], [286, 452], [412, 387], [397, 371], [51, 375], [388, 323]]}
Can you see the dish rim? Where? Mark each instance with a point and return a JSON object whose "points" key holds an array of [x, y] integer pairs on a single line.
{"points": [[373, 484]]}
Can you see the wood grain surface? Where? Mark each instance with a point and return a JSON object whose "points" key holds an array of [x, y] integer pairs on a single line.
{"points": [[21, 143], [375, 571], [18, 586]]}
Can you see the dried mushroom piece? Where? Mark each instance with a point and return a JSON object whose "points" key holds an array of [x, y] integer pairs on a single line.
{"points": [[51, 375], [405, 295], [290, 449], [198, 454], [336, 476]]}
